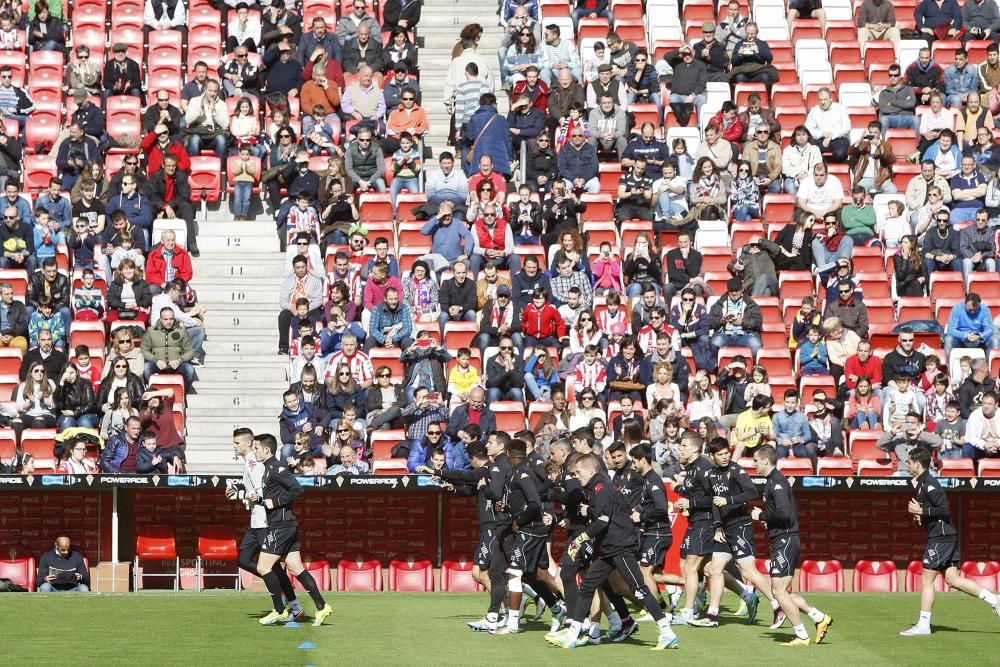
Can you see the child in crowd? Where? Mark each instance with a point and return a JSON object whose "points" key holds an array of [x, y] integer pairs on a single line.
{"points": [[47, 235], [88, 299], [406, 164], [84, 366], [807, 316], [463, 377], [813, 357], [124, 251], [895, 226]]}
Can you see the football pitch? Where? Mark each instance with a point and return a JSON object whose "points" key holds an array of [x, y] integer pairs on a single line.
{"points": [[220, 628]]}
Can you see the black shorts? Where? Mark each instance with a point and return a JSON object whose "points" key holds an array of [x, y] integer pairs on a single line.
{"points": [[526, 553], [253, 541], [485, 549], [653, 548], [281, 540], [698, 541], [784, 556], [739, 542], [940, 556], [805, 8]]}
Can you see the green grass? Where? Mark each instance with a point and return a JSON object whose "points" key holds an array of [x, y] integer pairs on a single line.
{"points": [[220, 628]]}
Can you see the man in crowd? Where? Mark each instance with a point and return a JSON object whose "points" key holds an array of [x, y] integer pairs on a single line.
{"points": [[62, 570]]}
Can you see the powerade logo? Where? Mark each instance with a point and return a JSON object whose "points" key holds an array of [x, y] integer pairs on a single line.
{"points": [[306, 481], [427, 480], [178, 480], [818, 482], [56, 480]]}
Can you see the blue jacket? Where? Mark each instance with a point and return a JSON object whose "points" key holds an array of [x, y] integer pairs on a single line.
{"points": [[420, 451], [382, 317], [929, 15], [805, 356], [961, 83], [137, 208], [114, 453], [935, 148], [578, 163], [289, 423], [531, 367], [794, 425], [495, 140], [59, 210], [961, 323], [449, 241]]}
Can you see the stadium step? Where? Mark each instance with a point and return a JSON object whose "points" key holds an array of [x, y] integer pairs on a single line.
{"points": [[237, 279], [440, 23]]}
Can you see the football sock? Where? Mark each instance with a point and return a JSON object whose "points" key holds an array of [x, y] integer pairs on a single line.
{"points": [[664, 625], [800, 631], [746, 596], [713, 611], [925, 620], [286, 584], [687, 613], [513, 619], [574, 631], [309, 584], [595, 630], [988, 597], [816, 615], [775, 605], [492, 618], [529, 591], [274, 588], [614, 621]]}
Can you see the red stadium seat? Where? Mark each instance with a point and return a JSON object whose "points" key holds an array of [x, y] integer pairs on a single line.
{"points": [[957, 468], [460, 334], [835, 466], [42, 130], [821, 576], [795, 467], [319, 569], [875, 576], [216, 543], [359, 572], [989, 468], [912, 580], [875, 468], [600, 208], [8, 389], [984, 573], [131, 36], [375, 207], [390, 467], [10, 361], [205, 179], [38, 169], [914, 308], [19, 570], [411, 573], [509, 414], [456, 576], [155, 543], [40, 443], [383, 441]]}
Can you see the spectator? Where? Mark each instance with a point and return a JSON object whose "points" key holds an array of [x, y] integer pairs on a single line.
{"points": [[981, 430], [365, 163], [736, 319], [792, 433], [647, 145], [719, 151], [975, 387], [563, 95], [119, 454], [347, 26], [57, 206], [363, 101], [240, 76], [62, 570], [938, 21], [925, 77], [712, 53], [447, 183], [301, 284], [137, 208], [859, 218], [799, 160], [407, 118], [756, 267], [989, 72], [753, 426], [163, 112], [493, 242], [607, 127], [568, 277], [449, 241], [75, 154], [207, 120], [196, 86], [165, 15], [806, 9], [75, 400], [399, 80], [764, 157], [830, 127], [400, 15], [897, 101], [936, 124], [82, 74], [635, 193], [363, 50], [13, 320], [122, 75], [391, 323], [488, 135], [50, 282], [821, 194], [751, 60], [467, 55], [245, 31], [279, 24], [167, 348], [977, 245], [968, 192], [17, 237], [167, 262], [606, 84], [975, 135], [14, 101], [559, 54], [876, 20], [283, 75], [505, 371], [732, 29], [170, 180], [523, 53], [970, 325], [905, 436], [871, 159], [348, 463], [960, 80]]}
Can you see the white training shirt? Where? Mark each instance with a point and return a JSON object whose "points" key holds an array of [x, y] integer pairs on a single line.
{"points": [[253, 482]]}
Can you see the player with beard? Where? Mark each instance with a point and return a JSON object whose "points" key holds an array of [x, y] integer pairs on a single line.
{"points": [[253, 473]]}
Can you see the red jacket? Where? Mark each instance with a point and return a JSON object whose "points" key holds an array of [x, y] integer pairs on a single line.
{"points": [[156, 267], [539, 97], [154, 154], [542, 323], [732, 132]]}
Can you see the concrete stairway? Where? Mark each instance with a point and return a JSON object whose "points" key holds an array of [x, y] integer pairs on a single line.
{"points": [[441, 21], [237, 278]]}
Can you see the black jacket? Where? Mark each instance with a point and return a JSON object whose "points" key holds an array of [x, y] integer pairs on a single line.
{"points": [[395, 10], [697, 488], [630, 483], [375, 397], [497, 377], [78, 397], [466, 484], [280, 487], [17, 318], [781, 512], [486, 325], [895, 364], [54, 363], [158, 189], [935, 515], [612, 529], [523, 500], [131, 80], [680, 271], [133, 384], [143, 297], [374, 57], [654, 511], [23, 232], [734, 484], [151, 118], [453, 294], [59, 290]]}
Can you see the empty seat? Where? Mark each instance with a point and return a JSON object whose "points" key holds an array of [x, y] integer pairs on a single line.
{"points": [[359, 572], [821, 576], [411, 573], [216, 543], [875, 576], [155, 543], [456, 576]]}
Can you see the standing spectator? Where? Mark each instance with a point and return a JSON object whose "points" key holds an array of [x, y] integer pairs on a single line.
{"points": [[488, 135], [170, 197], [122, 75]]}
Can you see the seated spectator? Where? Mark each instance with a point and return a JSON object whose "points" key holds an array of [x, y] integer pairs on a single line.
{"points": [[870, 159], [981, 430], [897, 101], [908, 268], [934, 122], [457, 297], [167, 261], [47, 235], [347, 26], [35, 400], [282, 73], [364, 50], [363, 101], [365, 162], [154, 459], [167, 348], [501, 317], [406, 163], [319, 100], [426, 412], [239, 75], [207, 121], [820, 194], [13, 320], [831, 245], [635, 193], [961, 80], [122, 75], [63, 570], [744, 194], [751, 59], [53, 284], [830, 127], [691, 73], [904, 436], [165, 15], [968, 192], [970, 325], [876, 20], [736, 319], [75, 154], [984, 149], [171, 180], [57, 206], [753, 427], [348, 463], [391, 323], [400, 51], [245, 31], [45, 317], [137, 208], [129, 296], [792, 434], [859, 218]]}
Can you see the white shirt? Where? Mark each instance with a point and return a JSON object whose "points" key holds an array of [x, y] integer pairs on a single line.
{"points": [[253, 482], [978, 427], [821, 197], [834, 120]]}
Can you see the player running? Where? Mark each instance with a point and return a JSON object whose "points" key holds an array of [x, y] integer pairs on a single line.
{"points": [[696, 502], [781, 516], [253, 472], [733, 538], [930, 510], [615, 540], [279, 489]]}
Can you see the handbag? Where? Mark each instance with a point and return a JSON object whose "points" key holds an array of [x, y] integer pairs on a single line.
{"points": [[472, 149]]}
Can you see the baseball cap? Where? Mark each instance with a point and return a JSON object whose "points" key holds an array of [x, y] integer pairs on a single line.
{"points": [[119, 47], [399, 67], [503, 290], [708, 26]]}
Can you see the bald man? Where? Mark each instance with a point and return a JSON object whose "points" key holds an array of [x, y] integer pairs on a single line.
{"points": [[62, 570]]}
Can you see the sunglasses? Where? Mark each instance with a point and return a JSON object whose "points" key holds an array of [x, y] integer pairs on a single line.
{"points": [[364, 141], [489, 215], [905, 340], [342, 430], [687, 298], [433, 432], [507, 347], [385, 375]]}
